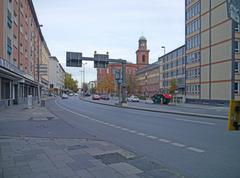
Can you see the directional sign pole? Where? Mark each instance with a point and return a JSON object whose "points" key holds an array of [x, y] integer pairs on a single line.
{"points": [[124, 100]]}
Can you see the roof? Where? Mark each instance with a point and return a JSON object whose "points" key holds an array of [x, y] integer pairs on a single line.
{"points": [[142, 38], [148, 68]]}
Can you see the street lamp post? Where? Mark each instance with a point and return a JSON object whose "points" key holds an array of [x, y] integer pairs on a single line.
{"points": [[164, 48]]}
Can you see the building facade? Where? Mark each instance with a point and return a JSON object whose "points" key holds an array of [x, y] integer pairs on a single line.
{"points": [[147, 80], [212, 52], [142, 59], [56, 76], [172, 67], [20, 41]]}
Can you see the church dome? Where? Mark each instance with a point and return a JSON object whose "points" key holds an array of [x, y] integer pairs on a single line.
{"points": [[142, 38]]}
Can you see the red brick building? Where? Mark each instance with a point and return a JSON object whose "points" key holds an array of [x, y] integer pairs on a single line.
{"points": [[142, 59]]}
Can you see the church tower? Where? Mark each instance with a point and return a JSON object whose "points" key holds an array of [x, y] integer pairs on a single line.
{"points": [[142, 52]]}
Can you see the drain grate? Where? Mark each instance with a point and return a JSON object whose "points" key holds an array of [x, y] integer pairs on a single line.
{"points": [[111, 158], [40, 118]]}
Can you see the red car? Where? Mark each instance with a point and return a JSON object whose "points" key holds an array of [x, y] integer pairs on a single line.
{"points": [[95, 97]]}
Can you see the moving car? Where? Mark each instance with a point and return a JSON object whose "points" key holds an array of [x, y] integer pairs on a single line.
{"points": [[95, 97], [133, 99], [70, 94]]}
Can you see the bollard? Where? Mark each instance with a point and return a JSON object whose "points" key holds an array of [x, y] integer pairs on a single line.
{"points": [[29, 101], [43, 103]]}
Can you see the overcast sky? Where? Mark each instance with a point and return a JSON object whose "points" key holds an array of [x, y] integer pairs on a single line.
{"points": [[108, 25]]}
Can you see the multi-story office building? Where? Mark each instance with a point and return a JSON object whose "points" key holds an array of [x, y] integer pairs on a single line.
{"points": [[147, 80], [172, 67], [212, 52], [56, 76], [20, 41]]}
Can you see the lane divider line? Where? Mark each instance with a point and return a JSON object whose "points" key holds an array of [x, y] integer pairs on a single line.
{"points": [[197, 150]]}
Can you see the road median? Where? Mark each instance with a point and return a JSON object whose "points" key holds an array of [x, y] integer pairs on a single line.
{"points": [[161, 111]]}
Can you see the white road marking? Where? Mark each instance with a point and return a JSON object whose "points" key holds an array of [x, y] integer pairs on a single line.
{"points": [[152, 137], [199, 122], [140, 133], [132, 131], [164, 140], [195, 149], [178, 144]]}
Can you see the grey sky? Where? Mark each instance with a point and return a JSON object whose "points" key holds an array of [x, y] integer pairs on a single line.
{"points": [[108, 25]]}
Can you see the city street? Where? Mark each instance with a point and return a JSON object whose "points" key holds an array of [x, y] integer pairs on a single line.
{"points": [[189, 146]]}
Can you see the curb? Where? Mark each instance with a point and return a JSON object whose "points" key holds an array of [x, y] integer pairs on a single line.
{"points": [[161, 111]]}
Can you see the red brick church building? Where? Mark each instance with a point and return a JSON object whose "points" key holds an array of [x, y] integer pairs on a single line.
{"points": [[142, 59]]}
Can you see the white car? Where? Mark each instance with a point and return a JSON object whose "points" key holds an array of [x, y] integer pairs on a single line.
{"points": [[133, 99], [64, 96], [75, 94]]}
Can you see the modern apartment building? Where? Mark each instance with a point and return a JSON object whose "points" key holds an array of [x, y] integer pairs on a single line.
{"points": [[172, 67], [212, 52], [56, 76], [20, 41]]}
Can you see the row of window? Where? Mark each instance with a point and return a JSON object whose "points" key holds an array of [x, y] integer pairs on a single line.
{"points": [[174, 54], [193, 89], [193, 26], [193, 11], [193, 73], [193, 57], [193, 42], [179, 71], [174, 64]]}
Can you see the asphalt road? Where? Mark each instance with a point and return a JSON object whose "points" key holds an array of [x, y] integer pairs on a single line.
{"points": [[193, 147]]}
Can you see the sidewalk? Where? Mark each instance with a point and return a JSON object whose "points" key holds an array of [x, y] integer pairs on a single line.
{"points": [[36, 154], [183, 109]]}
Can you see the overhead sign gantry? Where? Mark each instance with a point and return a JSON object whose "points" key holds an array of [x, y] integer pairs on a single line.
{"points": [[74, 59]]}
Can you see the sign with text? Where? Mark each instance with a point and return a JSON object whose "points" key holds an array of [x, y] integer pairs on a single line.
{"points": [[74, 59]]}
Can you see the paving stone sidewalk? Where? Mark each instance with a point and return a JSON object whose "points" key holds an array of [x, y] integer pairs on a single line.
{"points": [[26, 156]]}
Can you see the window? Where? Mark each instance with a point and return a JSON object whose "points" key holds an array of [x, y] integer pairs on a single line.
{"points": [[9, 18], [9, 46], [237, 27], [237, 88], [237, 66], [237, 46], [143, 58]]}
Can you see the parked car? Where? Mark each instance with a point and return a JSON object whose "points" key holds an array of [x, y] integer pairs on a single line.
{"points": [[133, 99], [64, 96], [87, 94], [75, 94], [70, 94], [104, 97], [95, 97]]}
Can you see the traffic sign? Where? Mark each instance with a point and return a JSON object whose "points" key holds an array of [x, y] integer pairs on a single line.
{"points": [[74, 59], [234, 10]]}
